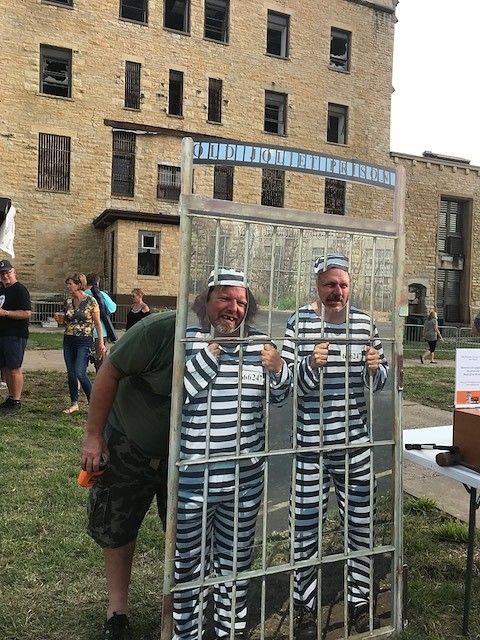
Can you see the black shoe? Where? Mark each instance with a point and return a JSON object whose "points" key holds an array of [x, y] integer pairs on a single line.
{"points": [[10, 406], [304, 624], [117, 628], [359, 618]]}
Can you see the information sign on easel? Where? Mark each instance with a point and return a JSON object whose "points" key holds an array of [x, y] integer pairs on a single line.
{"points": [[467, 379]]}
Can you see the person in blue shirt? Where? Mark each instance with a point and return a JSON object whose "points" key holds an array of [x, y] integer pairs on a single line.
{"points": [[107, 307]]}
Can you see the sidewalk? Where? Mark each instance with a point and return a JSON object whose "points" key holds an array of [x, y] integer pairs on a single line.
{"points": [[449, 495]]}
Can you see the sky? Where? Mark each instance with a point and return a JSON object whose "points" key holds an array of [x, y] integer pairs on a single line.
{"points": [[435, 105]]}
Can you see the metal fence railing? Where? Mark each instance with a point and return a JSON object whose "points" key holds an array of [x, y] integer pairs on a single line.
{"points": [[43, 310], [453, 338]]}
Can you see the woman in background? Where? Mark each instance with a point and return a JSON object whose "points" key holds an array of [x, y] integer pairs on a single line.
{"points": [[430, 333], [138, 310], [80, 317]]}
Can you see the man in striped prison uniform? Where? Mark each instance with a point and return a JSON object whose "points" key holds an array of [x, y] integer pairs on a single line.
{"points": [[317, 351], [223, 415]]}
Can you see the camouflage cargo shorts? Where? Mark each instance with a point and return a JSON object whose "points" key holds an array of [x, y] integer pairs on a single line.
{"points": [[122, 495]]}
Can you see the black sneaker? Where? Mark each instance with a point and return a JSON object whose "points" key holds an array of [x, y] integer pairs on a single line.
{"points": [[117, 628], [304, 624], [10, 406], [359, 618]]}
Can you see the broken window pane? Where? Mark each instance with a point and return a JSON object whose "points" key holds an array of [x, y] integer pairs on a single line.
{"points": [[132, 85], [337, 123], [175, 93], [216, 20], [335, 196], [56, 71], [223, 182], [53, 162], [168, 183], [123, 163], [273, 187], [275, 112], [340, 49], [214, 100], [277, 34], [136, 10], [177, 15]]}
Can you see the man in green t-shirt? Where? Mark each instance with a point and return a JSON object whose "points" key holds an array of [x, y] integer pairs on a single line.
{"points": [[128, 426]]}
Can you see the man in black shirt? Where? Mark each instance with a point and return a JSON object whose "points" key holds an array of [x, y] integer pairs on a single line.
{"points": [[15, 312]]}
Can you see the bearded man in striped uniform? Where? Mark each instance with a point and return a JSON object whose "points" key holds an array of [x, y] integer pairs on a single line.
{"points": [[332, 411], [223, 416]]}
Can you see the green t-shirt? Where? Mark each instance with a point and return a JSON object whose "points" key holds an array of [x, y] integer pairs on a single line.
{"points": [[141, 409]]}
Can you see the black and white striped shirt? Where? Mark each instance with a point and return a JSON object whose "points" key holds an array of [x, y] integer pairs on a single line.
{"points": [[334, 376]]}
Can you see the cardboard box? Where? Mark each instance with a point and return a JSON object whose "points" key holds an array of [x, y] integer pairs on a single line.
{"points": [[466, 436]]}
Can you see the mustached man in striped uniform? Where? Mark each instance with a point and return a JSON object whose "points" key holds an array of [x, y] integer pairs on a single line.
{"points": [[223, 415], [321, 365]]}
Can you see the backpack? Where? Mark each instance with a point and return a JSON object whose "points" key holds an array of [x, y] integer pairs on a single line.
{"points": [[104, 316]]}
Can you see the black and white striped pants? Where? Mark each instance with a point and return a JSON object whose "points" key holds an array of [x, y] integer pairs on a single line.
{"points": [[221, 540], [307, 508]]}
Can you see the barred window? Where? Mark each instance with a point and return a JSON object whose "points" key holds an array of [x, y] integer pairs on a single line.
{"points": [[168, 183], [275, 112], [53, 162], [340, 49], [277, 33], [223, 182], [136, 10], [123, 163], [132, 84], [55, 71], [177, 15], [337, 123], [273, 187], [216, 20], [214, 100], [335, 196], [148, 253], [175, 93]]}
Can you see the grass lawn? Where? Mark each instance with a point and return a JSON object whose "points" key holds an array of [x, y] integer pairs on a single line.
{"points": [[45, 339], [52, 585], [430, 385]]}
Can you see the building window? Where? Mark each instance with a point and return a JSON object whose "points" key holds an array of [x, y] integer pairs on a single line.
{"points": [[337, 123], [175, 93], [335, 196], [451, 224], [277, 34], [148, 253], [177, 15], [168, 183], [53, 162], [136, 10], [340, 49], [123, 163], [216, 20], [275, 112], [223, 182], [273, 187], [55, 71], [67, 3], [214, 100], [132, 85]]}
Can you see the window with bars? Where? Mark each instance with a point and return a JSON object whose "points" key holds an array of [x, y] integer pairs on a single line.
{"points": [[168, 182], [55, 71], [223, 182], [53, 162], [135, 10], [340, 49], [273, 187], [148, 253], [123, 163], [177, 15], [132, 84], [337, 123], [175, 93], [277, 34], [214, 100], [335, 196], [275, 120], [216, 20]]}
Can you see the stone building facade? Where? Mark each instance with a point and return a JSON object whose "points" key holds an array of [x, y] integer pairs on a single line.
{"points": [[96, 98]]}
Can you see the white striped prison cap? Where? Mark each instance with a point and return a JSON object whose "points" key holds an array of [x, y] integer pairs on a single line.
{"points": [[227, 278], [332, 261]]}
